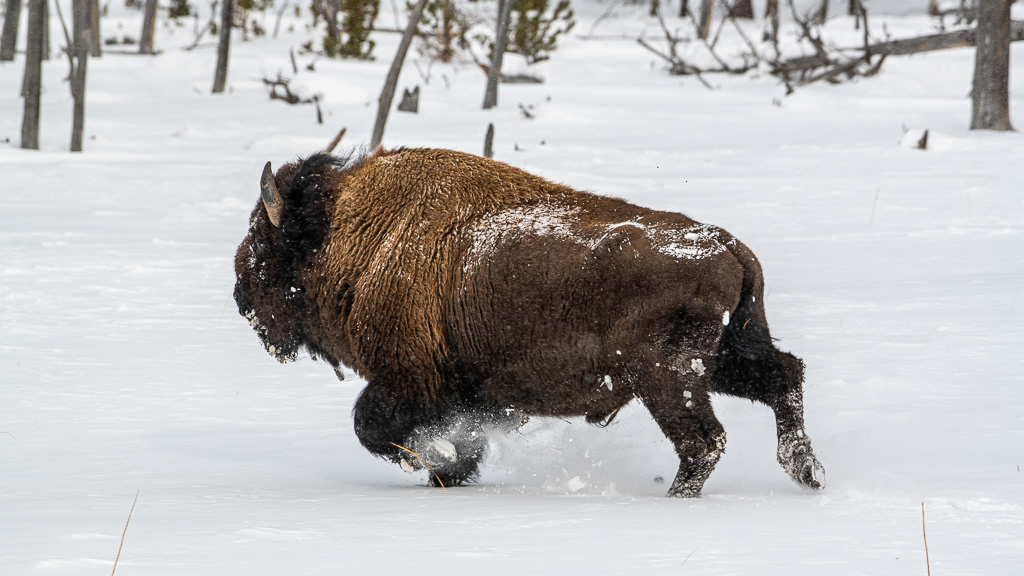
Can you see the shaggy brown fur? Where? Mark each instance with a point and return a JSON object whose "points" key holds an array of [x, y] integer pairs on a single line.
{"points": [[467, 292]]}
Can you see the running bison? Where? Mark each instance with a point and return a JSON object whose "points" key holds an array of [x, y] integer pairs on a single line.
{"points": [[470, 294]]}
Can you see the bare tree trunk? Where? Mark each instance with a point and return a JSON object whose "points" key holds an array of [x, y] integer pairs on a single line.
{"points": [[331, 8], [82, 16], [742, 9], [990, 98], [489, 142], [704, 18], [46, 31], [387, 95], [32, 84], [857, 10], [148, 28], [9, 36], [684, 8], [500, 41], [96, 43], [821, 14], [771, 24], [220, 76], [444, 32], [280, 13]]}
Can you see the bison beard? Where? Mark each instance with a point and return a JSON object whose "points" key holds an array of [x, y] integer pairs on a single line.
{"points": [[469, 294]]}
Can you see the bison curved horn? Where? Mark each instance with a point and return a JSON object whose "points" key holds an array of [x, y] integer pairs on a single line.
{"points": [[271, 197]]}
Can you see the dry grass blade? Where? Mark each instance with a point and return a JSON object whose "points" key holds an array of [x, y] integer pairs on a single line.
{"points": [[121, 545], [688, 557], [924, 533], [420, 458]]}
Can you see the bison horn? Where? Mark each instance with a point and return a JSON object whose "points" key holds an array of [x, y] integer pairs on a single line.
{"points": [[271, 197]]}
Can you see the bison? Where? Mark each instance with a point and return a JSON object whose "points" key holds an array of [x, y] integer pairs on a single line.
{"points": [[470, 294]]}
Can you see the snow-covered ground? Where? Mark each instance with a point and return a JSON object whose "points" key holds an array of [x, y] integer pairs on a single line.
{"points": [[894, 273]]}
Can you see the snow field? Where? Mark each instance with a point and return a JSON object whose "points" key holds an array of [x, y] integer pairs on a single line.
{"points": [[894, 273]]}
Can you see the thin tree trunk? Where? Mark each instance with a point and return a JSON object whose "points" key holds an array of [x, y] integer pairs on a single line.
{"points": [[821, 14], [280, 13], [148, 28], [704, 19], [220, 76], [387, 95], [9, 36], [859, 13], [684, 8], [96, 38], [500, 41], [771, 22], [82, 10], [489, 142], [331, 8], [32, 84], [46, 31], [445, 31], [743, 9], [990, 97]]}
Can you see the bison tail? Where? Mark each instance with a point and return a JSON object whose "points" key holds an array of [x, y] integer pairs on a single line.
{"points": [[749, 365], [747, 331]]}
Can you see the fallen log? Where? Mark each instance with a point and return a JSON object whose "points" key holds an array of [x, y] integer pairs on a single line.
{"points": [[901, 47]]}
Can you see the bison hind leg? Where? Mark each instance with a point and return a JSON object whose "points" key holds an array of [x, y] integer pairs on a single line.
{"points": [[775, 379], [677, 396]]}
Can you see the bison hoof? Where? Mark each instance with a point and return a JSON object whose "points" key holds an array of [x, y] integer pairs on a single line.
{"points": [[684, 491], [685, 486], [444, 449], [431, 453], [811, 473], [798, 461]]}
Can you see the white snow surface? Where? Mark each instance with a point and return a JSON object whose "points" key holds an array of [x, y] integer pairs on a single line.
{"points": [[894, 273]]}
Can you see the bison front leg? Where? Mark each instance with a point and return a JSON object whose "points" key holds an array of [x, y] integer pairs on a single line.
{"points": [[452, 446], [677, 396], [447, 440], [385, 415]]}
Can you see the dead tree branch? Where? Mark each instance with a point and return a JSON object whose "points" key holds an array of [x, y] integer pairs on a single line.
{"points": [[286, 95], [826, 60], [678, 66], [900, 47]]}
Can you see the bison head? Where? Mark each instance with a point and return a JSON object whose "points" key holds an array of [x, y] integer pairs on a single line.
{"points": [[287, 230]]}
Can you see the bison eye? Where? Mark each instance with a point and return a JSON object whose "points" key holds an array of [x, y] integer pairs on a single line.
{"points": [[259, 247]]}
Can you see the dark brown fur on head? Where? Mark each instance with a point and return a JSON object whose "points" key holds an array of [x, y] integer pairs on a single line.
{"points": [[268, 287]]}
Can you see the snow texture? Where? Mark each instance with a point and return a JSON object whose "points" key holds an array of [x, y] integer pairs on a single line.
{"points": [[894, 273]]}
